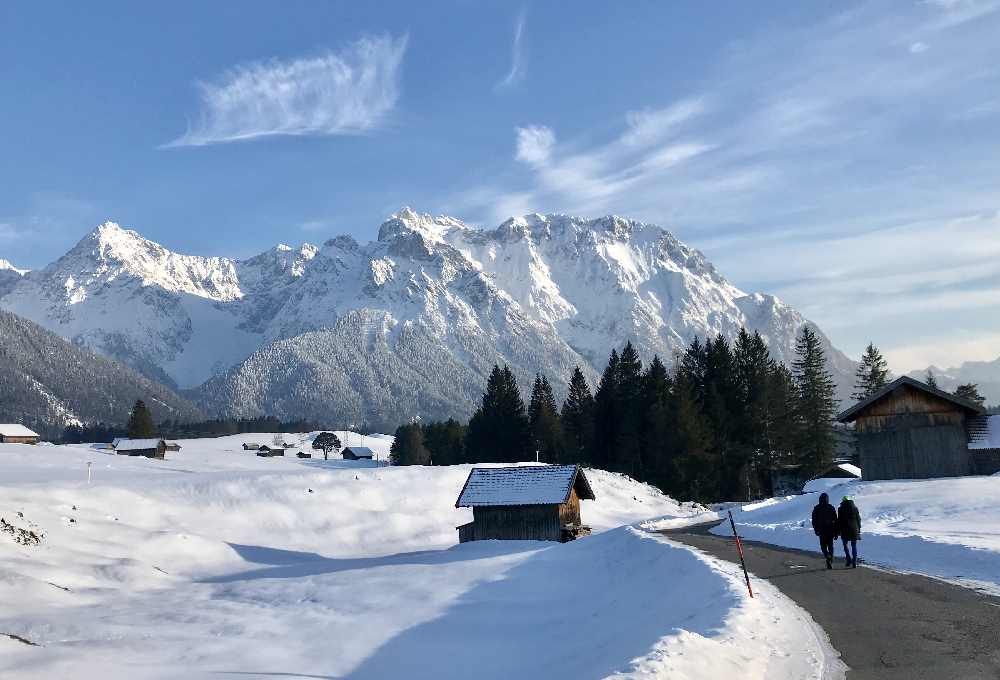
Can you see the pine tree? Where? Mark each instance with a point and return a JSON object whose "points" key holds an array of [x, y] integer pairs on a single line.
{"points": [[446, 442], [872, 374], [606, 406], [754, 367], [970, 392], [544, 421], [408, 446], [657, 422], [626, 449], [140, 422], [578, 419], [931, 379], [816, 403], [498, 431]]}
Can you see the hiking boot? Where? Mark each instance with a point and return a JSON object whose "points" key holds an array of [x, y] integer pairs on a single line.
{"points": [[829, 563]]}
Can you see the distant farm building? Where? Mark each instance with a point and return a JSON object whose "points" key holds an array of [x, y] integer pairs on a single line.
{"points": [[357, 453], [838, 473], [530, 503], [149, 448], [173, 446], [266, 451], [250, 446], [910, 430], [984, 444], [11, 433]]}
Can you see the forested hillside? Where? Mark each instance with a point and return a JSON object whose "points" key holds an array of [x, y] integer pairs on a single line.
{"points": [[47, 383]]}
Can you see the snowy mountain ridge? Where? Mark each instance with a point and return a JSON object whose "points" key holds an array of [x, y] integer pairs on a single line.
{"points": [[434, 298]]}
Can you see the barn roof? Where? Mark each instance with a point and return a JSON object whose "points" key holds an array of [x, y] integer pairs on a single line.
{"points": [[137, 444], [360, 451], [15, 430], [852, 413], [524, 485]]}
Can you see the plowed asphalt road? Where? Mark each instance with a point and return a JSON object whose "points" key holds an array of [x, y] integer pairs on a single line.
{"points": [[886, 625]]}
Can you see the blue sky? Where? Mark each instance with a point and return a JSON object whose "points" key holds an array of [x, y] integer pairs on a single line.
{"points": [[843, 156]]}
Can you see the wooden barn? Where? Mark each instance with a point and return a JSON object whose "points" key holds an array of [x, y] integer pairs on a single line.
{"points": [[149, 448], [11, 433], [357, 453], [910, 430], [173, 446], [531, 503], [266, 451], [250, 446]]}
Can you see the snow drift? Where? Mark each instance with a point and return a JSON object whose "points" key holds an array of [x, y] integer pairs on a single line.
{"points": [[216, 561]]}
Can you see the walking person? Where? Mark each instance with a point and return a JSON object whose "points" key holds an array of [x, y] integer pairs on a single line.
{"points": [[849, 528], [824, 521]]}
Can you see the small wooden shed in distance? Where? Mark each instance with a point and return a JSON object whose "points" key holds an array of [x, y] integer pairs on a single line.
{"points": [[12, 433], [525, 503]]}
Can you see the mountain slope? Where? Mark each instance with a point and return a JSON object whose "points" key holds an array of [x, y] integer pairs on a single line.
{"points": [[985, 374], [404, 325], [48, 383]]}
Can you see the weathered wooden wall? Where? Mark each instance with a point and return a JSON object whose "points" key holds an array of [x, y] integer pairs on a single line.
{"points": [[517, 523], [569, 512], [985, 461], [18, 440], [915, 453], [912, 434]]}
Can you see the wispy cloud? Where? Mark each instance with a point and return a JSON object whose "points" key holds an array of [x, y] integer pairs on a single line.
{"points": [[517, 59], [335, 93], [534, 144], [856, 178]]}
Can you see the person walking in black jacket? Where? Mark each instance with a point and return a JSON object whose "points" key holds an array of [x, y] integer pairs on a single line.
{"points": [[849, 528], [824, 521]]}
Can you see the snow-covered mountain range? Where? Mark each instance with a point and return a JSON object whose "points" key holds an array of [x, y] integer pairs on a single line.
{"points": [[985, 374], [408, 324]]}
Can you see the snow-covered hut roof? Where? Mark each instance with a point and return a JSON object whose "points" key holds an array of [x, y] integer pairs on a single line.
{"points": [[986, 433], [137, 444], [839, 471], [15, 430], [525, 485], [360, 451]]}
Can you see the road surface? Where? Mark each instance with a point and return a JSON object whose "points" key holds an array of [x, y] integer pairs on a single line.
{"points": [[886, 626]]}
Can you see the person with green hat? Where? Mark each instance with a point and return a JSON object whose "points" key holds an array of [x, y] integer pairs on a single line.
{"points": [[849, 528]]}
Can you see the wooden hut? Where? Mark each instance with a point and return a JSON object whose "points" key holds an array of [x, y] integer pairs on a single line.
{"points": [[984, 444], [149, 448], [532, 502], [910, 430], [173, 446], [250, 446], [12, 433], [357, 453], [266, 451]]}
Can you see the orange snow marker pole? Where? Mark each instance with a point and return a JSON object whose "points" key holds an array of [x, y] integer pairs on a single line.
{"points": [[739, 547]]}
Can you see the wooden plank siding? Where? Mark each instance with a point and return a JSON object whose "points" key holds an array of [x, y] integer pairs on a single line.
{"points": [[569, 512], [517, 523], [912, 434]]}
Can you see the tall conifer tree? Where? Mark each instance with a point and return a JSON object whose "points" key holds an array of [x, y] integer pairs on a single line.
{"points": [[872, 374], [498, 431], [544, 420], [140, 422], [578, 419], [816, 403]]}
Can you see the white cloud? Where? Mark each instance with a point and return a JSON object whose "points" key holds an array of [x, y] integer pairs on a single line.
{"points": [[649, 125], [918, 47], [534, 144], [517, 60], [348, 92]]}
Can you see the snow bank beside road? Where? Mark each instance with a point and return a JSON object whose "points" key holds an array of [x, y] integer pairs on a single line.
{"points": [[947, 528], [216, 561]]}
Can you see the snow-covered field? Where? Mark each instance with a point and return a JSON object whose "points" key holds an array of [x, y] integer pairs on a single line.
{"points": [[218, 563], [946, 528]]}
